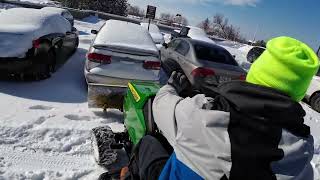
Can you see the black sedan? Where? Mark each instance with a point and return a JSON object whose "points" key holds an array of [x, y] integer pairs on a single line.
{"points": [[34, 42]]}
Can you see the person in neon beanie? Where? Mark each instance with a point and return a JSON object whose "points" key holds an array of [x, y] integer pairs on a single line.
{"points": [[252, 130]]}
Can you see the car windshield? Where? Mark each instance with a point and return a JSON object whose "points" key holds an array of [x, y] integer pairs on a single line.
{"points": [[213, 54]]}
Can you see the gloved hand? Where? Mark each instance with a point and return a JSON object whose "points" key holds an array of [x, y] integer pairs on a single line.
{"points": [[179, 81]]}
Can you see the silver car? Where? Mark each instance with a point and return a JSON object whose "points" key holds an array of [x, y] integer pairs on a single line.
{"points": [[120, 53], [202, 62]]}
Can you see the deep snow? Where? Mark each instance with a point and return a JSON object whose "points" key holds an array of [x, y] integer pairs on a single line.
{"points": [[45, 126]]}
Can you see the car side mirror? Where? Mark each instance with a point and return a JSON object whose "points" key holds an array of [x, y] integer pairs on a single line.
{"points": [[165, 45], [94, 31]]}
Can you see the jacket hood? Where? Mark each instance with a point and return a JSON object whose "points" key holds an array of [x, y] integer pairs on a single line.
{"points": [[266, 105]]}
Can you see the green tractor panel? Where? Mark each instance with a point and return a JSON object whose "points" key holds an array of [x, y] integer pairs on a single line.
{"points": [[138, 118]]}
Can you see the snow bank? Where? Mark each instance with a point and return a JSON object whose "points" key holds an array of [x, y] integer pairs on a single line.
{"points": [[125, 35], [25, 25]]}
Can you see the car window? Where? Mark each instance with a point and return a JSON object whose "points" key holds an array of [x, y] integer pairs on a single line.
{"points": [[210, 53], [173, 44], [183, 48], [255, 53]]}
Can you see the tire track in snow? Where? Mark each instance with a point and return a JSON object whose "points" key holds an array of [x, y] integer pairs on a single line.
{"points": [[16, 160]]}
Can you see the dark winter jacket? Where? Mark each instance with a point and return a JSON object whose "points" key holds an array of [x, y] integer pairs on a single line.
{"points": [[248, 132]]}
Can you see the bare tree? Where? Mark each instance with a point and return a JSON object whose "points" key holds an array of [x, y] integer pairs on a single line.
{"points": [[118, 7], [184, 21], [223, 29]]}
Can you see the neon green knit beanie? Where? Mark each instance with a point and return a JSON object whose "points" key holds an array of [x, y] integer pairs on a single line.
{"points": [[287, 65]]}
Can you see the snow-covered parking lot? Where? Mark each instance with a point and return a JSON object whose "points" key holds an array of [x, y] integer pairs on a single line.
{"points": [[45, 126]]}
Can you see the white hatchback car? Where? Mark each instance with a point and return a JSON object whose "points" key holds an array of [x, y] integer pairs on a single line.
{"points": [[120, 53]]}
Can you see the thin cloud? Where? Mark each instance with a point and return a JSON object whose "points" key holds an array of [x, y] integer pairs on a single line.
{"points": [[242, 2], [227, 2]]}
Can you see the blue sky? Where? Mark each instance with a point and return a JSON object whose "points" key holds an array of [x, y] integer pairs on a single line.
{"points": [[297, 18]]}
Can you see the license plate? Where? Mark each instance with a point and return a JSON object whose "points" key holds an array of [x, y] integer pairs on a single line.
{"points": [[223, 79]]}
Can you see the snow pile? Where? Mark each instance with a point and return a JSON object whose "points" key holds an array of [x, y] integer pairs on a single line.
{"points": [[25, 25], [120, 34]]}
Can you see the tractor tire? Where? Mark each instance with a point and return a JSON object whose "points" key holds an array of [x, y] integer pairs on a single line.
{"points": [[148, 116], [101, 140], [315, 102]]}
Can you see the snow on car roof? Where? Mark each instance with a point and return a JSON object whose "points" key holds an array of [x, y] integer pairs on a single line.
{"points": [[26, 25], [120, 34], [199, 34], [154, 32]]}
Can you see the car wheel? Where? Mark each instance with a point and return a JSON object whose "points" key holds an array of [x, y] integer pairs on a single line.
{"points": [[76, 46], [43, 70], [315, 102]]}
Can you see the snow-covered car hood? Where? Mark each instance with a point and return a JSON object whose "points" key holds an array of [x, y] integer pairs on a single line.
{"points": [[124, 35], [25, 25]]}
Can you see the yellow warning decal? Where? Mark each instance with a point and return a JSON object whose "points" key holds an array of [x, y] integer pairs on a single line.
{"points": [[134, 92]]}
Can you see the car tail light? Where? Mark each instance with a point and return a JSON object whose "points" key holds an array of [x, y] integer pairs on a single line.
{"points": [[155, 65], [202, 72], [36, 43], [99, 58], [242, 77]]}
